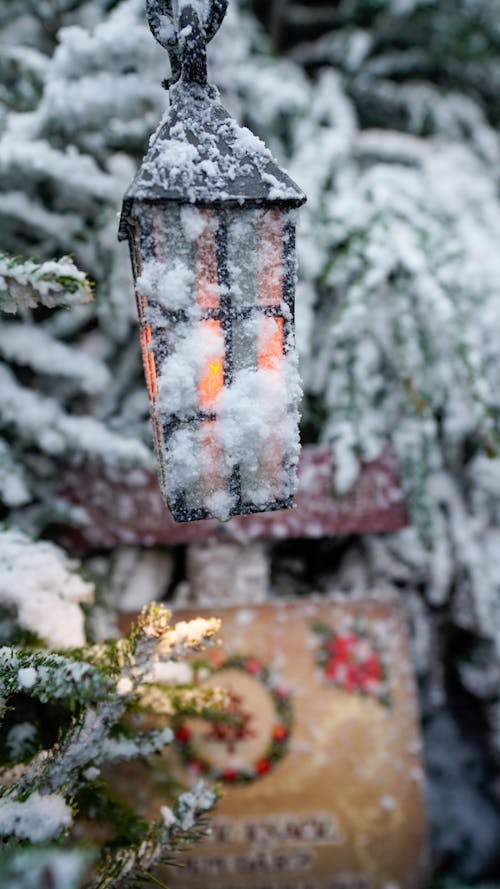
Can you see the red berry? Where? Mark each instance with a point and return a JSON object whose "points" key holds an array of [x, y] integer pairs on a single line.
{"points": [[183, 734], [280, 732], [229, 775], [263, 766], [217, 659], [373, 668], [254, 666]]}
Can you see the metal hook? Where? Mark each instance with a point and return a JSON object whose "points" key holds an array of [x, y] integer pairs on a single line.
{"points": [[178, 27]]}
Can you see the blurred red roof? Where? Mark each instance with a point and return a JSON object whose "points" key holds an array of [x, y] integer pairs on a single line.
{"points": [[125, 506]]}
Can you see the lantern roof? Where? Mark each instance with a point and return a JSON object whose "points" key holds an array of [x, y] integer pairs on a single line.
{"points": [[200, 155]]}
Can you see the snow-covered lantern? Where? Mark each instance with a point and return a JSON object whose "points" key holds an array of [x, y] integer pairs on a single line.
{"points": [[210, 219]]}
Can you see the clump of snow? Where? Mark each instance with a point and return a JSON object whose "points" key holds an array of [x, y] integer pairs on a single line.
{"points": [[51, 283], [124, 686], [200, 154], [168, 816], [172, 673], [27, 677], [172, 286], [26, 344], [193, 347], [193, 803], [186, 635], [42, 585], [13, 485], [37, 819]]}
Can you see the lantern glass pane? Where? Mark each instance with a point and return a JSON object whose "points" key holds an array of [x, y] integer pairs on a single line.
{"points": [[215, 297], [271, 272], [178, 374], [242, 256]]}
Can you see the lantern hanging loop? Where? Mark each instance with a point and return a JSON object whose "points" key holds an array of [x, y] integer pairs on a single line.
{"points": [[183, 28]]}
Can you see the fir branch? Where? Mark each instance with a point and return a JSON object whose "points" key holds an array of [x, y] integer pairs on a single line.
{"points": [[39, 420], [182, 825], [174, 700], [85, 743], [28, 283], [30, 345], [14, 489], [48, 677]]}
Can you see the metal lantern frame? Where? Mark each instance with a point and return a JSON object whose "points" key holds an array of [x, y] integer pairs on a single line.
{"points": [[220, 171]]}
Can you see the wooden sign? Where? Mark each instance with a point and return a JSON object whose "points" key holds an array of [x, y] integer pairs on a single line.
{"points": [[320, 764], [125, 507]]}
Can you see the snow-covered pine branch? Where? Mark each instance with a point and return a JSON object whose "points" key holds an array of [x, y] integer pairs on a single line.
{"points": [[38, 419], [27, 283], [48, 676], [40, 791], [41, 590], [184, 822], [30, 345]]}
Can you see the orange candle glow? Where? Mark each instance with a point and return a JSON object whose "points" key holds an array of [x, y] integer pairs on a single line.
{"points": [[212, 377], [271, 343]]}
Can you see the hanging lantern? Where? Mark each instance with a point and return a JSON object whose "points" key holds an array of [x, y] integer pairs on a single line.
{"points": [[210, 221]]}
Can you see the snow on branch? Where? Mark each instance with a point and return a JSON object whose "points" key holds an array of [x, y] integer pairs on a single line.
{"points": [[39, 419], [37, 819], [128, 663], [48, 676], [27, 283], [102, 682], [41, 585], [174, 700], [185, 637], [185, 821], [32, 346], [78, 173], [125, 748], [14, 490]]}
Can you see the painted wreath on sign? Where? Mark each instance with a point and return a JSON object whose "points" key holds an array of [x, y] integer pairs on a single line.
{"points": [[238, 724], [353, 661]]}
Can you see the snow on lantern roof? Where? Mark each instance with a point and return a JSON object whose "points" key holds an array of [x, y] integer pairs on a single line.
{"points": [[200, 155]]}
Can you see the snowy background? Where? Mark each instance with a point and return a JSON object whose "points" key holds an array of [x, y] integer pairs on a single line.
{"points": [[385, 112]]}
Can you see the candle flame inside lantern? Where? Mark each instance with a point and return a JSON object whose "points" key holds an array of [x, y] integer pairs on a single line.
{"points": [[211, 380], [212, 377]]}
